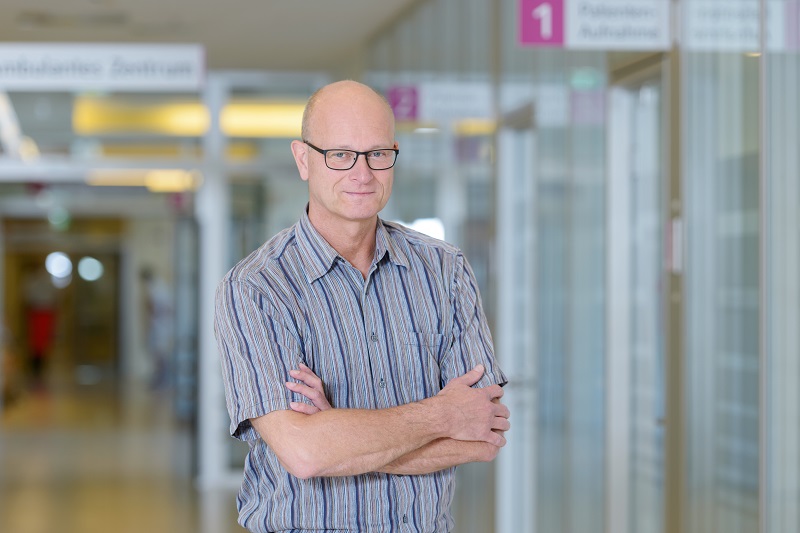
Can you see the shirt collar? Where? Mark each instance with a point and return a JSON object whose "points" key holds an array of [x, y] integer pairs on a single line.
{"points": [[320, 255], [384, 243]]}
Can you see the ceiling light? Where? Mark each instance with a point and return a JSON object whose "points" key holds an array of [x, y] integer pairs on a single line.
{"points": [[90, 268], [242, 118], [156, 180]]}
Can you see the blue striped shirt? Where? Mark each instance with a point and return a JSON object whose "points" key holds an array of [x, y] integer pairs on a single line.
{"points": [[397, 337]]}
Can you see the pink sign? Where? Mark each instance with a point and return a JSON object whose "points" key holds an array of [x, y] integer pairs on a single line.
{"points": [[793, 25], [541, 23], [404, 100]]}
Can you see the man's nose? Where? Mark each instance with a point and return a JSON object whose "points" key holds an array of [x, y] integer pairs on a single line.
{"points": [[361, 170]]}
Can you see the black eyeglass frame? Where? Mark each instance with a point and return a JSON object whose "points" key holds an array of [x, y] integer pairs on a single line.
{"points": [[325, 156]]}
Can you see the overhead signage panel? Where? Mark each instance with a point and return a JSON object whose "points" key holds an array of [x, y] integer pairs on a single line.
{"points": [[726, 26], [105, 67], [595, 24]]}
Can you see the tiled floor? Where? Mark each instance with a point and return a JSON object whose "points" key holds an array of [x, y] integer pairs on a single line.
{"points": [[87, 459], [84, 460]]}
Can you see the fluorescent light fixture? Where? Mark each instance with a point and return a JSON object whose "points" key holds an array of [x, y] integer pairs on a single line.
{"points": [[239, 118], [156, 180], [172, 180], [473, 127], [260, 119]]}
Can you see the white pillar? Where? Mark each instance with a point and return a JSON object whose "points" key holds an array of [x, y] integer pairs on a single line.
{"points": [[516, 325], [212, 211]]}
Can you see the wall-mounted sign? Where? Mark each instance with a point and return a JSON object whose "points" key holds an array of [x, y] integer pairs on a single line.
{"points": [[595, 24], [80, 67], [443, 101], [726, 26], [404, 100]]}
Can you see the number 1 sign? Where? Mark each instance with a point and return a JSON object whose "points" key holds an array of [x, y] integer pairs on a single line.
{"points": [[541, 22]]}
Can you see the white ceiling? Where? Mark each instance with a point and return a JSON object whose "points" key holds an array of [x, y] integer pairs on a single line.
{"points": [[237, 34]]}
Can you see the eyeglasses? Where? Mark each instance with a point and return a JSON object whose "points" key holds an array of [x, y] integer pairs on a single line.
{"points": [[380, 159]]}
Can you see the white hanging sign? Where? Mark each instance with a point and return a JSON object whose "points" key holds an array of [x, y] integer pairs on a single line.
{"points": [[728, 26], [443, 101], [80, 67], [595, 24]]}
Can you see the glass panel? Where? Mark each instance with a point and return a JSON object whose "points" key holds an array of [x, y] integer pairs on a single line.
{"points": [[783, 278], [721, 188], [646, 326]]}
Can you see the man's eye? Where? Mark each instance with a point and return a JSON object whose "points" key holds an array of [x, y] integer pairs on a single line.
{"points": [[339, 155], [378, 154]]}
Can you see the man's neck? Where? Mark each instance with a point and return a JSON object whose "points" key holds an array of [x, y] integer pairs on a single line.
{"points": [[353, 240]]}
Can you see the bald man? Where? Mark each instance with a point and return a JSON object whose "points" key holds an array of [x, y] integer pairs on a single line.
{"points": [[357, 360]]}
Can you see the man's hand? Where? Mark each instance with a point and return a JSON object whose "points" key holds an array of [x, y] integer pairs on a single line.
{"points": [[475, 415], [475, 418], [478, 414], [311, 387]]}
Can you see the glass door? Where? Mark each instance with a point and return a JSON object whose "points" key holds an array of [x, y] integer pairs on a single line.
{"points": [[635, 343], [516, 499]]}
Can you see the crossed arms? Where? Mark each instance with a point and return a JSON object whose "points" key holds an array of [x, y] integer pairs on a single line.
{"points": [[460, 424]]}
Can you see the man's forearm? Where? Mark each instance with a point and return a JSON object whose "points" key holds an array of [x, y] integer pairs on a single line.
{"points": [[440, 454], [342, 442]]}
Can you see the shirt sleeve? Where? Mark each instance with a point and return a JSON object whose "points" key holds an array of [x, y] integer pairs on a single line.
{"points": [[471, 340], [256, 351]]}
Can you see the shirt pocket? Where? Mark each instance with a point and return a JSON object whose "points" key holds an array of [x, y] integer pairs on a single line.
{"points": [[419, 375]]}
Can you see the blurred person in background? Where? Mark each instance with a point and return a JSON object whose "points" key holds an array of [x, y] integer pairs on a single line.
{"points": [[357, 360], [40, 318], [159, 325]]}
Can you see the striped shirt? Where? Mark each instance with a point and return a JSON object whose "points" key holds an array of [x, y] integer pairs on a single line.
{"points": [[399, 336]]}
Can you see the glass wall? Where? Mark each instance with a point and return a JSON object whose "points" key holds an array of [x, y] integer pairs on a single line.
{"points": [[619, 267], [721, 180], [781, 82]]}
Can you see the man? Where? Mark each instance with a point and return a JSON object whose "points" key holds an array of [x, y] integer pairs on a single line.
{"points": [[350, 347]]}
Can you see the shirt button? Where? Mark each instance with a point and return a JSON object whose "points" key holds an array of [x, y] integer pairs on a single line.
{"points": [[374, 338], [382, 384], [405, 519]]}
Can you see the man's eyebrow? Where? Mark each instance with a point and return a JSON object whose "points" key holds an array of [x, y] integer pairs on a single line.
{"points": [[374, 147]]}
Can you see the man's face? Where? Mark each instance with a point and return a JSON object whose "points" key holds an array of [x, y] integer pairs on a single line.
{"points": [[359, 121]]}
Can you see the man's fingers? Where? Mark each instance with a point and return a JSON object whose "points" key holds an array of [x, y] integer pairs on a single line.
{"points": [[316, 396], [495, 391], [501, 424], [470, 378], [302, 388], [502, 410], [496, 439], [304, 374], [303, 408]]}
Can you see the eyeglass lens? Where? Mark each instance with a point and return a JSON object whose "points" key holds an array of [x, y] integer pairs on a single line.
{"points": [[346, 159]]}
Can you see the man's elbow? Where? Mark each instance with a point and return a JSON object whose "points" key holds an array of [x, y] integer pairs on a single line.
{"points": [[293, 443], [301, 469], [301, 462]]}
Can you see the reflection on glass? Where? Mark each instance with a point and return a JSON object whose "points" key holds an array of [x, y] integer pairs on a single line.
{"points": [[647, 336], [722, 289], [783, 287]]}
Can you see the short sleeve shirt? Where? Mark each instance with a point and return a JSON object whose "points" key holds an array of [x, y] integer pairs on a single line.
{"points": [[396, 337]]}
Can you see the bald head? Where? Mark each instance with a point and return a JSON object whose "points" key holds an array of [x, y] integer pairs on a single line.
{"points": [[342, 94]]}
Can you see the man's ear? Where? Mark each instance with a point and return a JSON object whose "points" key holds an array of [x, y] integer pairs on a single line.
{"points": [[300, 153]]}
